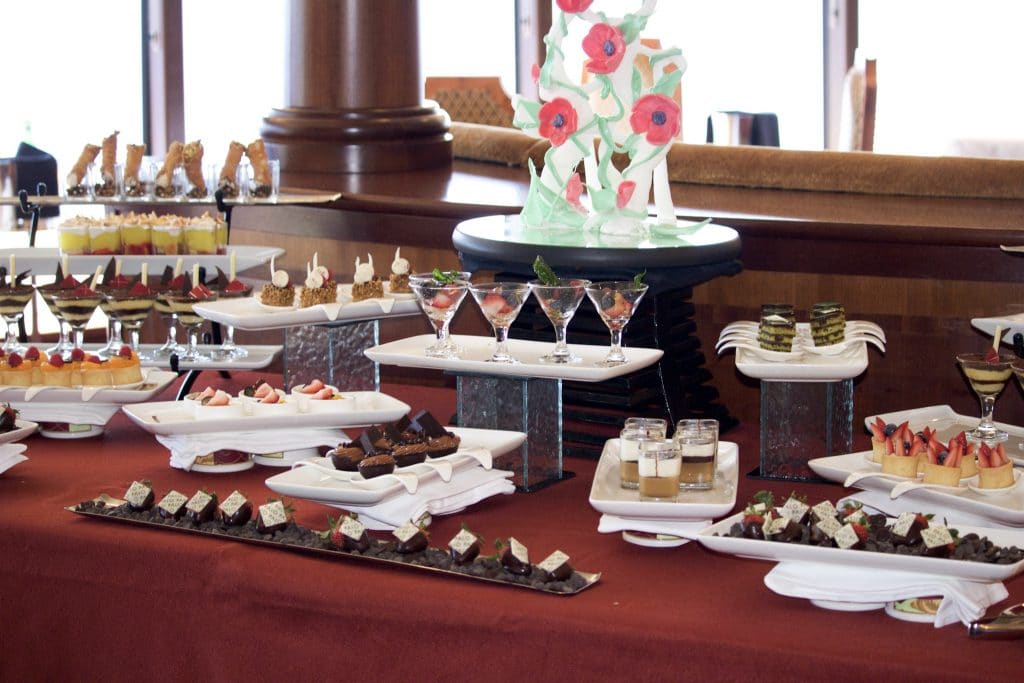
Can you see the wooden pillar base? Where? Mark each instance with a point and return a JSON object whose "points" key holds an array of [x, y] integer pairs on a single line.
{"points": [[358, 140]]}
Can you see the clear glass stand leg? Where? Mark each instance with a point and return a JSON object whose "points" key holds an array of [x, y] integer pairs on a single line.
{"points": [[332, 354], [533, 406]]}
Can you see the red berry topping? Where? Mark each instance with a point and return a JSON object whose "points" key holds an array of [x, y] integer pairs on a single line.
{"points": [[991, 356], [140, 289], [69, 282], [32, 353], [56, 360], [93, 358], [235, 286], [77, 354], [125, 352], [14, 360]]}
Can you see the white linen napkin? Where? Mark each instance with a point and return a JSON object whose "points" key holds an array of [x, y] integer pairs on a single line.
{"points": [[688, 528], [185, 448], [878, 501], [11, 455], [963, 601], [435, 497], [72, 413]]}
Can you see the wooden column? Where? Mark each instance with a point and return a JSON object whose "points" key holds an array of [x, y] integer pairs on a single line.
{"points": [[353, 91]]}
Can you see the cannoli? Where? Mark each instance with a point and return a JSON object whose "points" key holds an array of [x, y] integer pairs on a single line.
{"points": [[132, 164], [165, 176], [261, 181], [107, 186], [192, 156], [76, 177], [226, 183]]}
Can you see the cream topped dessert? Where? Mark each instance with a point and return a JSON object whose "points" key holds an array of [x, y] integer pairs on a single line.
{"points": [[398, 281]]}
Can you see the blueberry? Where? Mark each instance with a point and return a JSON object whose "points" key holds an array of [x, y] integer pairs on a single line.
{"points": [[890, 428]]}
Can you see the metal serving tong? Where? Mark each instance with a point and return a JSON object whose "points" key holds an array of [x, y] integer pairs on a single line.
{"points": [[1006, 625]]}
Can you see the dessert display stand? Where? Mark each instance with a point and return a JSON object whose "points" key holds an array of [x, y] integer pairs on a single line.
{"points": [[523, 397], [806, 409], [673, 388], [333, 353]]}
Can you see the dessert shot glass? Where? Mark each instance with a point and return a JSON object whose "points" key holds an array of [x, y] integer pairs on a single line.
{"points": [[635, 431], [697, 441], [659, 469]]}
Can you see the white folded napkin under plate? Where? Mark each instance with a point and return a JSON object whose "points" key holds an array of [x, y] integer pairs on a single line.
{"points": [[688, 528], [72, 413], [963, 601], [185, 448], [11, 455], [434, 497]]}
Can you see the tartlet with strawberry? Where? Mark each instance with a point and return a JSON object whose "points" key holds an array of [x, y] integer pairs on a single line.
{"points": [[995, 469]]}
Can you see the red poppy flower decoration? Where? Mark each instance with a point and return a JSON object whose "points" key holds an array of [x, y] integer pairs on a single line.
{"points": [[573, 6], [657, 117], [535, 72], [573, 190], [558, 120], [604, 46], [624, 193]]}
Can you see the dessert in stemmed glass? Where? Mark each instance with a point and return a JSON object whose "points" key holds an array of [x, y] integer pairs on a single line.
{"points": [[559, 303], [64, 280], [500, 303], [440, 295], [130, 305], [987, 374], [182, 304], [173, 280], [14, 296], [615, 302], [230, 287], [77, 305]]}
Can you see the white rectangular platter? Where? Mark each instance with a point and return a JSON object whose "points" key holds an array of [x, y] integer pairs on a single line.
{"points": [[44, 260], [778, 552], [170, 418], [312, 483], [805, 367], [1005, 508], [248, 314], [409, 352], [948, 423], [154, 381], [607, 496]]}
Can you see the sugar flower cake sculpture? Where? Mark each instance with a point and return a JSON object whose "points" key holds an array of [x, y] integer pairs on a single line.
{"points": [[613, 106]]}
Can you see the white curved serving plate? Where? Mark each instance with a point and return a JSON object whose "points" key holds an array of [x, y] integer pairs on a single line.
{"points": [[154, 381], [607, 496], [778, 552], [170, 418], [22, 429], [409, 352], [344, 488], [248, 314], [43, 260], [1006, 509]]}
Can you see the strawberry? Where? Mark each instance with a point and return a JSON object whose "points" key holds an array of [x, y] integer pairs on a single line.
{"points": [[991, 355], [442, 300], [494, 305], [272, 397], [984, 456], [324, 394], [32, 353], [14, 360], [263, 390], [77, 355], [8, 418], [877, 430], [752, 518], [125, 352], [860, 530], [619, 307], [922, 520], [999, 456], [313, 387]]}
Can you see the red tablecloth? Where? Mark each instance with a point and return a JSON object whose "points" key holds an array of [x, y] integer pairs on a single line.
{"points": [[82, 598]]}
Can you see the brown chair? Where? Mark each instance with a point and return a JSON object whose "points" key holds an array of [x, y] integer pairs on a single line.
{"points": [[857, 120], [471, 99]]}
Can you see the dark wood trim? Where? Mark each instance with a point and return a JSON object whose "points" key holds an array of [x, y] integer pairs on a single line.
{"points": [[166, 93]]}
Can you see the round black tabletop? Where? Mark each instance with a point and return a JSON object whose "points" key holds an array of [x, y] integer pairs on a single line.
{"points": [[684, 256]]}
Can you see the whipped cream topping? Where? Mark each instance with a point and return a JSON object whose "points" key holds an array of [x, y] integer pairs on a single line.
{"points": [[280, 278], [364, 271], [399, 266], [314, 280]]}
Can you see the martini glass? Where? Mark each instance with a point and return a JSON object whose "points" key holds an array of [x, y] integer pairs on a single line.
{"points": [[130, 309], [228, 349], [987, 378], [183, 306], [500, 303], [63, 345], [615, 302], [12, 307], [114, 338], [439, 300], [76, 306], [171, 345], [559, 303]]}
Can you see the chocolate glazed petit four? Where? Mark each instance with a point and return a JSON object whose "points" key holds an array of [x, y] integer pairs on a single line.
{"points": [[172, 506], [201, 507]]}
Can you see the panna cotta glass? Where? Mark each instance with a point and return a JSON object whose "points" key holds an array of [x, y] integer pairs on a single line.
{"points": [[987, 375], [659, 468], [697, 440]]}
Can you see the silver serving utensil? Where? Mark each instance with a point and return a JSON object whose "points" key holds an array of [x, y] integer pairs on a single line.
{"points": [[1006, 625]]}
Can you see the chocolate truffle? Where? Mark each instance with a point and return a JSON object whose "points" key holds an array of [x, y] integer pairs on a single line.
{"points": [[201, 507], [464, 547], [235, 510], [273, 516], [410, 538], [172, 506]]}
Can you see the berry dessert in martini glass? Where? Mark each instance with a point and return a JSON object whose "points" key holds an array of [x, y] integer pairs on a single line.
{"points": [[14, 296], [615, 302], [230, 287], [440, 294], [130, 306], [558, 298], [987, 374], [182, 304], [500, 303], [77, 305]]}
